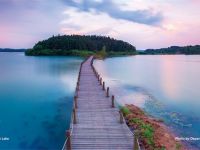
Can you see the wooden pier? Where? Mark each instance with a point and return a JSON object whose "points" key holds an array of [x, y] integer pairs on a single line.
{"points": [[96, 123]]}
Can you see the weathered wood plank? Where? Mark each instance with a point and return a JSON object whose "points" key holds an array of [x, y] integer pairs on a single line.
{"points": [[98, 124]]}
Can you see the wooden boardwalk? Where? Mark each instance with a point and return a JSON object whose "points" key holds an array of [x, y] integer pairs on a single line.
{"points": [[95, 123]]}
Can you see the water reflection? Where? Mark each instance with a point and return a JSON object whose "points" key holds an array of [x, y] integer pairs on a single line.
{"points": [[169, 74], [56, 66], [36, 96], [164, 86]]}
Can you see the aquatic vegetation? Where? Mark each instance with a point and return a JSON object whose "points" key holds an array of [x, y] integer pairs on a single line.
{"points": [[151, 132]]}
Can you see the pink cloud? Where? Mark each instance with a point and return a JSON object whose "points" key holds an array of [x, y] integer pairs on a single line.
{"points": [[41, 19]]}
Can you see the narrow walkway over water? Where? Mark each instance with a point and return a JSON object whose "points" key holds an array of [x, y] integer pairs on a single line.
{"points": [[96, 123]]}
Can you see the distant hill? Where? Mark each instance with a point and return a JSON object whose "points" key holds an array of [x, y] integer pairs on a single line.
{"points": [[80, 45], [11, 50], [187, 50]]}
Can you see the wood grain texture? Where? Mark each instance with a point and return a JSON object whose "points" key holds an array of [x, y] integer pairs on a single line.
{"points": [[98, 125]]}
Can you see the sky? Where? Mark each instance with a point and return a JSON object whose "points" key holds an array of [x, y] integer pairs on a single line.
{"points": [[143, 23]]}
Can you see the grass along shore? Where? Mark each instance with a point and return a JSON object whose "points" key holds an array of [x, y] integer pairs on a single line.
{"points": [[152, 133], [82, 53]]}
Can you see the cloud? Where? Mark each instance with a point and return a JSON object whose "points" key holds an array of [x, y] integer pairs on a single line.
{"points": [[146, 16], [74, 24], [24, 22]]}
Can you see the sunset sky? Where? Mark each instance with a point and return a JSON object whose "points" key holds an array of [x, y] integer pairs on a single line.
{"points": [[143, 23]]}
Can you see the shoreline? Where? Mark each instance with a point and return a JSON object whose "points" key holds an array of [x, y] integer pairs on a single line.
{"points": [[152, 132]]}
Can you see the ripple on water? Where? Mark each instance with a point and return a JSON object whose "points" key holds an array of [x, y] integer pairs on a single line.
{"points": [[128, 94]]}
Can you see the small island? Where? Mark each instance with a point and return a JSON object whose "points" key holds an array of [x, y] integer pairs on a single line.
{"points": [[81, 45]]}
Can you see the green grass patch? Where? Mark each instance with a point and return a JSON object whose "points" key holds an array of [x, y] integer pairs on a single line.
{"points": [[125, 110], [50, 52], [82, 53], [146, 130]]}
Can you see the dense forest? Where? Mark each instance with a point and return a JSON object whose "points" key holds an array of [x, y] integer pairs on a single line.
{"points": [[81, 45], [187, 50]]}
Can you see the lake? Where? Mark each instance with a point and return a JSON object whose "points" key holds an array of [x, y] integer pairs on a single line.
{"points": [[36, 96], [167, 87]]}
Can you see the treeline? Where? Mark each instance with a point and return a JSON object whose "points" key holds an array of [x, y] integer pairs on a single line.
{"points": [[187, 50], [75, 44]]}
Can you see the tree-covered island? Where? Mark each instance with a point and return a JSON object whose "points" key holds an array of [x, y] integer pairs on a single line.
{"points": [[81, 45]]}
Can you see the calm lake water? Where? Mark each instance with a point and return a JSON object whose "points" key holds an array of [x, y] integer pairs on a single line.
{"points": [[167, 87], [35, 100], [36, 94]]}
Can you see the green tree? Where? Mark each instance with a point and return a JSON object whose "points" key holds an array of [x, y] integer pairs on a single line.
{"points": [[102, 53], [65, 44]]}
